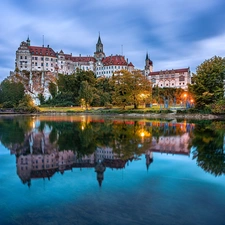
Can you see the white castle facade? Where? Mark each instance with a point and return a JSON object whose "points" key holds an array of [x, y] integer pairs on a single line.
{"points": [[46, 60], [35, 58]]}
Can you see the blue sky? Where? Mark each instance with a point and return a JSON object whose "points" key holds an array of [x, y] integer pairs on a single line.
{"points": [[175, 33]]}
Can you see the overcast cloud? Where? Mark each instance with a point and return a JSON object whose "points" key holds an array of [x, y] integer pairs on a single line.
{"points": [[175, 33]]}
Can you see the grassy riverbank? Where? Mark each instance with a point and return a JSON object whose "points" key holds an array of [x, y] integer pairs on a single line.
{"points": [[97, 110], [154, 112]]}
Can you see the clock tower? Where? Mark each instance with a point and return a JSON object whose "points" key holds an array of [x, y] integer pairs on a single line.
{"points": [[99, 54]]}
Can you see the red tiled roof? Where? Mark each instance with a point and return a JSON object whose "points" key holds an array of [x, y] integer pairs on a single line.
{"points": [[43, 51], [131, 64], [114, 60], [169, 71]]}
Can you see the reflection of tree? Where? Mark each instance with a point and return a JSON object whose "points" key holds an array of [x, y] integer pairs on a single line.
{"points": [[70, 136], [127, 140], [208, 144], [11, 131]]}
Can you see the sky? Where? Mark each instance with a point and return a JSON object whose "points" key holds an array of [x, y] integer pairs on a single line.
{"points": [[175, 33]]}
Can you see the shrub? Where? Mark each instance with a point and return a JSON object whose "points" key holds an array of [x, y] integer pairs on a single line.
{"points": [[218, 107], [7, 105]]}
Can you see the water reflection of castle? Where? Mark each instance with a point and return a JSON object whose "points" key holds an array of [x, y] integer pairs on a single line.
{"points": [[43, 165], [39, 155], [44, 160]]}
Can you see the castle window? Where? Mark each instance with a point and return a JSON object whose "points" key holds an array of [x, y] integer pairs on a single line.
{"points": [[21, 57], [181, 78]]}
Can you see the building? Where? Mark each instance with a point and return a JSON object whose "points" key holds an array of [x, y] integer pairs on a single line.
{"points": [[43, 59], [38, 66], [175, 78]]}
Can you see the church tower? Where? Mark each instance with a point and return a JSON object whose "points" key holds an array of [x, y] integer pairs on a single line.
{"points": [[99, 54], [28, 41], [148, 65]]}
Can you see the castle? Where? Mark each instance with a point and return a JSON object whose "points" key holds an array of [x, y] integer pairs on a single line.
{"points": [[34, 58], [42, 65]]}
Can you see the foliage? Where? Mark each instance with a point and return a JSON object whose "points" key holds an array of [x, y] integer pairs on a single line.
{"points": [[218, 107], [52, 89], [85, 94], [41, 98], [208, 148], [173, 95], [27, 105], [130, 88], [11, 92], [102, 92], [208, 87]]}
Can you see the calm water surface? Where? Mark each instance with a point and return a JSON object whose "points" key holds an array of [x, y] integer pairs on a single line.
{"points": [[96, 170]]}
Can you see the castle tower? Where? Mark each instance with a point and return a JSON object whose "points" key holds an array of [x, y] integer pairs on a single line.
{"points": [[148, 65], [100, 169], [99, 54], [28, 41]]}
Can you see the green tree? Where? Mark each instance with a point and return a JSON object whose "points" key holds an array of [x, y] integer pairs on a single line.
{"points": [[11, 92], [86, 94], [102, 92], [208, 145], [130, 88], [208, 86], [52, 89], [41, 98], [27, 105]]}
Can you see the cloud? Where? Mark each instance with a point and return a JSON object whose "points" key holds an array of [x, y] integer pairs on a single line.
{"points": [[175, 33]]}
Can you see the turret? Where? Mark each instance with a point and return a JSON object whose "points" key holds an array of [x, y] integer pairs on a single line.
{"points": [[148, 65], [28, 41], [99, 54]]}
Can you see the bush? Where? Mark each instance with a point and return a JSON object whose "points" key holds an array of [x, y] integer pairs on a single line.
{"points": [[108, 106], [7, 105], [218, 107]]}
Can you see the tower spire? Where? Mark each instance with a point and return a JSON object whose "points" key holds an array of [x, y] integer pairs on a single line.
{"points": [[146, 56], [99, 53], [99, 38], [28, 40]]}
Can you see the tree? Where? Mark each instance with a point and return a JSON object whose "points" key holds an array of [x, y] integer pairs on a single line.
{"points": [[11, 92], [27, 105], [130, 88], [208, 145], [208, 82], [103, 92], [52, 89], [85, 94]]}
